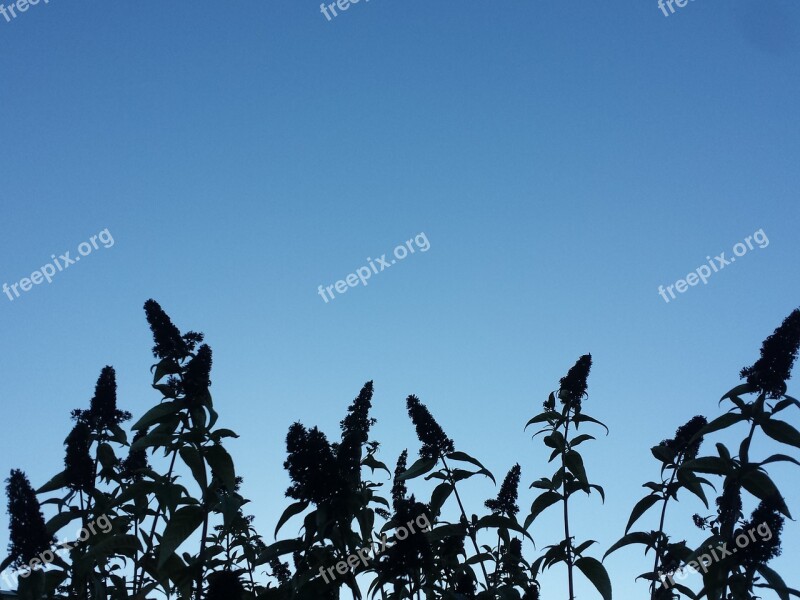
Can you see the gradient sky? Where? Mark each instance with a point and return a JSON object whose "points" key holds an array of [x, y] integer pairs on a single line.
{"points": [[563, 158]]}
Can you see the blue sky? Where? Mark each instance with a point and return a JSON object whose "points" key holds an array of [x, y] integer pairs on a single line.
{"points": [[564, 159]]}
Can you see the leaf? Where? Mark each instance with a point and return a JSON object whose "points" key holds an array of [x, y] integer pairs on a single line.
{"points": [[8, 560], [721, 422], [600, 490], [167, 366], [641, 507], [581, 418], [692, 483], [154, 438], [221, 465], [56, 483], [782, 432], [373, 463], [596, 573], [106, 456], [440, 496], [574, 463], [280, 548], [464, 457], [762, 487], [545, 500], [293, 509], [580, 439], [663, 454], [540, 418], [180, 526], [776, 583], [543, 484], [785, 403], [223, 433], [500, 521], [744, 388], [194, 460], [445, 531], [580, 548], [708, 464], [155, 414], [420, 467], [61, 520], [555, 440], [637, 537], [779, 458], [115, 545]]}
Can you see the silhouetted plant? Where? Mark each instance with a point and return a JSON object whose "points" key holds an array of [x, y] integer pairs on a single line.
{"points": [[177, 528], [570, 476], [673, 453]]}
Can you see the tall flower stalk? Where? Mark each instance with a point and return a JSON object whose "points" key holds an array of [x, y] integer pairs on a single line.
{"points": [[570, 478]]}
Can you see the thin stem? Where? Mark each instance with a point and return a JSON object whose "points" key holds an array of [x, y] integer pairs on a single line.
{"points": [[470, 532], [661, 523], [200, 572], [744, 459], [567, 537], [159, 510]]}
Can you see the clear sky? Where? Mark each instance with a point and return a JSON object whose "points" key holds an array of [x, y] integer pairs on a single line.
{"points": [[562, 158]]}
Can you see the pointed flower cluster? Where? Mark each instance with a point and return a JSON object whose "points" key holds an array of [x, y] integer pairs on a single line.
{"points": [[399, 489], [574, 384], [197, 377], [103, 413], [770, 373], [27, 531], [729, 506], [319, 470], [435, 442], [311, 465], [684, 443], [169, 343], [355, 433], [765, 547], [78, 464], [136, 461], [506, 501]]}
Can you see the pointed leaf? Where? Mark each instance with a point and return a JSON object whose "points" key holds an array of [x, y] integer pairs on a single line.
{"points": [[641, 507], [596, 573], [637, 537], [420, 467], [294, 509], [545, 500], [782, 432], [180, 526], [155, 414]]}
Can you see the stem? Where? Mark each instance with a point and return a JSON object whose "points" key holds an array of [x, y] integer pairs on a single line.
{"points": [[744, 459], [200, 573], [495, 576], [661, 524], [136, 556], [567, 537], [136, 579], [469, 526]]}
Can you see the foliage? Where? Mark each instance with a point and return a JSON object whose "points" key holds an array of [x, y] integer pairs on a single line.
{"points": [[177, 526]]}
